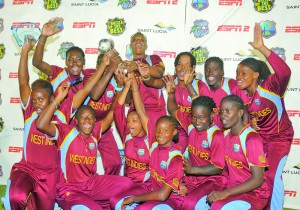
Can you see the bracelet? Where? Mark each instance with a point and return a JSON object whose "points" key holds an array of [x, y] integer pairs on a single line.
{"points": [[135, 90], [55, 104], [41, 43], [119, 89], [171, 93], [145, 79]]}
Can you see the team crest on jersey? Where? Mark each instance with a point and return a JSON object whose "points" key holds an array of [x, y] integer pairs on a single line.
{"points": [[1, 4], [257, 101], [2, 51], [175, 182], [92, 146], [236, 147], [1, 124], [1, 25], [204, 144], [163, 164], [189, 99], [262, 159], [200, 28], [116, 26], [200, 53], [280, 52], [200, 4], [110, 94], [141, 152], [129, 53], [263, 6], [127, 4], [51, 4], [63, 49], [268, 28]]}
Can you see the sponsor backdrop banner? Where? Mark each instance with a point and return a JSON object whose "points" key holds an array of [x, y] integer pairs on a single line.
{"points": [[208, 28]]}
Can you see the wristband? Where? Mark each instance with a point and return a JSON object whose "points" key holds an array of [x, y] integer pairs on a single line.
{"points": [[145, 79], [55, 104], [119, 89]]}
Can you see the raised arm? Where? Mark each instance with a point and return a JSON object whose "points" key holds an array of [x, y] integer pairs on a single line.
{"points": [[189, 74], [101, 85], [81, 95], [171, 102], [44, 121], [150, 81], [50, 28], [138, 104], [23, 75], [258, 42]]}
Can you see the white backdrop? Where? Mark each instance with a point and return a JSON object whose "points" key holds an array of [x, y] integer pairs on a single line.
{"points": [[213, 28]]}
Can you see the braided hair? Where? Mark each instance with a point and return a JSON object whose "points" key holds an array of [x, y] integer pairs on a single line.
{"points": [[205, 101], [237, 101], [257, 66]]}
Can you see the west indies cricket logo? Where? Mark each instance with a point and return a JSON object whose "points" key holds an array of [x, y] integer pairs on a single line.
{"points": [[268, 28], [51, 4], [200, 53], [200, 4], [116, 26], [1, 4], [200, 28], [280, 52], [63, 49], [263, 6], [127, 4], [2, 51]]}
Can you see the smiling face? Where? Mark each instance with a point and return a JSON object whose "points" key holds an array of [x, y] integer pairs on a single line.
{"points": [[75, 62], [246, 78], [201, 118], [134, 124], [164, 133], [40, 100], [85, 121], [213, 74], [138, 45]]}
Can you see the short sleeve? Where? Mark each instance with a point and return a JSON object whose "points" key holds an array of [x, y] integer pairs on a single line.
{"points": [[175, 172], [254, 150]]}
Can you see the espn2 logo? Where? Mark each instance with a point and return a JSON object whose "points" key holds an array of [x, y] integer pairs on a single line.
{"points": [[84, 25]]}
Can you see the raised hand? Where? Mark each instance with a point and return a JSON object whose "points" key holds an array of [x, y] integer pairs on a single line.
{"points": [[62, 91], [27, 46], [189, 73], [143, 70], [51, 27], [169, 81], [257, 42]]}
